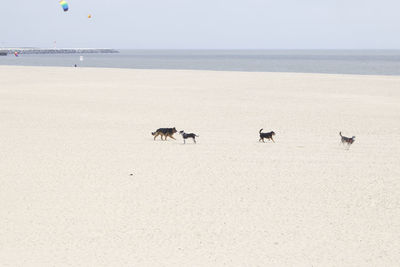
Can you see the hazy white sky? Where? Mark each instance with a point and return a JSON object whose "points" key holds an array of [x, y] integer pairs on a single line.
{"points": [[206, 24]]}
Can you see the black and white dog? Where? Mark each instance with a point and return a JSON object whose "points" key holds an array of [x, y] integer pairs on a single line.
{"points": [[188, 135], [347, 140], [268, 136]]}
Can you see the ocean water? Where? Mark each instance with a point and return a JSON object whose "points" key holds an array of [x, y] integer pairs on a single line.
{"points": [[375, 62]]}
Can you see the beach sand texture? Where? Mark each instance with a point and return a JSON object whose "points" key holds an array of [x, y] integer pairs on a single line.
{"points": [[70, 138]]}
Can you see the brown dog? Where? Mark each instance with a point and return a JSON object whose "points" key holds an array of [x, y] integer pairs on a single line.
{"points": [[166, 132]]}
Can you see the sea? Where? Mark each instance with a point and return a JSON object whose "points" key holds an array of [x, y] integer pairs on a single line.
{"points": [[364, 62]]}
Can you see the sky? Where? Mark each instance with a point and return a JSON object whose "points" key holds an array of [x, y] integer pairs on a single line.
{"points": [[202, 24]]}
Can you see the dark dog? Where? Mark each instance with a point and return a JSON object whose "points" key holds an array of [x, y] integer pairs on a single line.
{"points": [[188, 135], [166, 132], [347, 140], [266, 135]]}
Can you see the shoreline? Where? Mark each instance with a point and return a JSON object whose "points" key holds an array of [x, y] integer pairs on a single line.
{"points": [[204, 70]]}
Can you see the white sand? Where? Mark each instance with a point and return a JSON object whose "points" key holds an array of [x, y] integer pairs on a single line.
{"points": [[71, 137]]}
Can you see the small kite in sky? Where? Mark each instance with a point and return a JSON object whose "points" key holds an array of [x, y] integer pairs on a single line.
{"points": [[64, 5]]}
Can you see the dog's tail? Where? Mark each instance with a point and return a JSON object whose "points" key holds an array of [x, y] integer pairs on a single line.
{"points": [[340, 133], [261, 130]]}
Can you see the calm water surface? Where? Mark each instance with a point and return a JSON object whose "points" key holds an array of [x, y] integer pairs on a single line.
{"points": [[378, 62]]}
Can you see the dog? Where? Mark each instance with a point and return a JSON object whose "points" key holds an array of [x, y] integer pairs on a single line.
{"points": [[188, 135], [166, 132], [347, 140], [268, 136]]}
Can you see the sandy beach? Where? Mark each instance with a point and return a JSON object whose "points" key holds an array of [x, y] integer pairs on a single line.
{"points": [[83, 183]]}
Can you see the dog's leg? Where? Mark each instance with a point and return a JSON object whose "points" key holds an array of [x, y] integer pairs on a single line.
{"points": [[272, 139], [184, 141], [170, 136], [194, 140], [155, 136]]}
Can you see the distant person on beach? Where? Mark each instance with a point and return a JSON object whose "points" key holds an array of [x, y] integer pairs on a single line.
{"points": [[75, 65]]}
